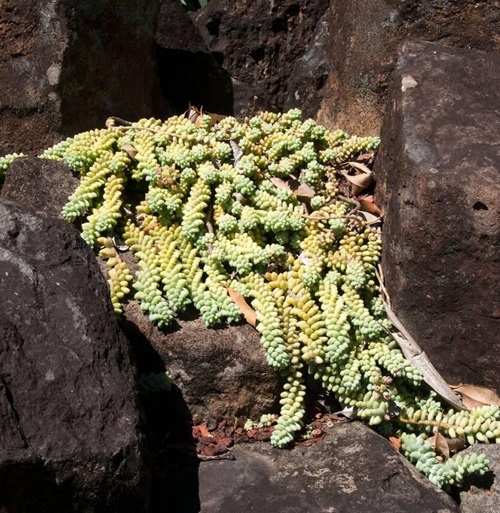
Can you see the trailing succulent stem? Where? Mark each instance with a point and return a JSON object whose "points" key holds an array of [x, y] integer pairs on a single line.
{"points": [[259, 208]]}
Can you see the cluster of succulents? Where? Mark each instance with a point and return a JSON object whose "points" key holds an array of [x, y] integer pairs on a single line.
{"points": [[259, 208]]}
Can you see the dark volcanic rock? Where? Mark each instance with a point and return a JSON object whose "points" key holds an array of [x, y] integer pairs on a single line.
{"points": [[438, 181], [246, 55], [68, 65], [43, 185], [352, 470], [70, 421], [309, 74], [366, 35]]}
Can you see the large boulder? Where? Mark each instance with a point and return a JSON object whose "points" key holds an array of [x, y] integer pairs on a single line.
{"points": [[70, 431], [438, 182], [365, 37], [352, 470], [66, 66], [247, 53]]}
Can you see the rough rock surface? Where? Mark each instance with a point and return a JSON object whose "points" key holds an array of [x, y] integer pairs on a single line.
{"points": [[352, 470], [366, 35], [43, 185], [70, 430], [220, 372], [482, 495], [66, 66], [438, 182], [247, 52]]}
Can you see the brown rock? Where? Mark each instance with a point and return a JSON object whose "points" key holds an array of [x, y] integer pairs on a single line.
{"points": [[438, 182], [67, 66], [366, 35], [219, 371]]}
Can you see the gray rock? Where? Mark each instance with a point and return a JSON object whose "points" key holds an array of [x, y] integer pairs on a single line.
{"points": [[70, 431], [352, 470], [483, 493], [438, 182], [66, 66]]}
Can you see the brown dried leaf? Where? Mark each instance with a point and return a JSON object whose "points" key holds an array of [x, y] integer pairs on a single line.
{"points": [[247, 311], [301, 190], [359, 182], [193, 114], [369, 217], [369, 206], [130, 150], [215, 118], [360, 167], [455, 444], [365, 156], [150, 227], [199, 118], [395, 442], [474, 396], [440, 445]]}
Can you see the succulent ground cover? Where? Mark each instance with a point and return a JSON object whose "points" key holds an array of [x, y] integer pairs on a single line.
{"points": [[262, 220]]}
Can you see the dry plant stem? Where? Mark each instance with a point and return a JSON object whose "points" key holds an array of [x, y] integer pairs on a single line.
{"points": [[413, 352]]}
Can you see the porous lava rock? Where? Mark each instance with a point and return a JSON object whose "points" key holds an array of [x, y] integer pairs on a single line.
{"points": [[438, 183], [248, 52], [71, 428], [353, 469], [366, 36], [68, 65]]}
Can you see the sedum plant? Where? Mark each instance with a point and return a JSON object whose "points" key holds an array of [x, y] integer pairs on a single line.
{"points": [[259, 210]]}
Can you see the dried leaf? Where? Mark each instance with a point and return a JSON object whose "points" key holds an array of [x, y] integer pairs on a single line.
{"points": [[150, 227], [440, 445], [359, 182], [237, 152], [365, 156], [301, 190], [369, 217], [369, 206], [199, 118], [360, 167], [281, 184], [130, 150], [193, 114], [455, 444], [348, 412], [474, 396], [215, 118], [395, 442], [247, 311]]}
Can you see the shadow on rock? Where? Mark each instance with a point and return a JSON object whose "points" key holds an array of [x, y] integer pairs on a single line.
{"points": [[175, 485]]}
